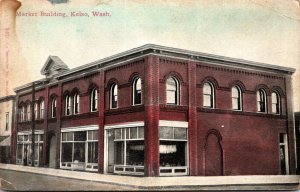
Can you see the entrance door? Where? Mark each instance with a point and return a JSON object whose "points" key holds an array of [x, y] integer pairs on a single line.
{"points": [[213, 156], [52, 152]]}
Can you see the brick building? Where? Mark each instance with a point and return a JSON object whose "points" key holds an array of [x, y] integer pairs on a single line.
{"points": [[159, 111]]}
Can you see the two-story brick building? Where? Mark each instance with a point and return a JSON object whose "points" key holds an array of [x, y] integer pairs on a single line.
{"points": [[159, 111]]}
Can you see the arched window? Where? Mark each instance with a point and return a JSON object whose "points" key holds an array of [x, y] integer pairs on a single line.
{"points": [[76, 103], [137, 91], [236, 95], [275, 103], [114, 96], [28, 111], [94, 100], [42, 109], [36, 110], [261, 100], [208, 95], [22, 114], [172, 91], [53, 107], [67, 105]]}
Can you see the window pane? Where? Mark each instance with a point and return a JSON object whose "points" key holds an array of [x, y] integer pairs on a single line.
{"points": [[119, 152], [274, 108], [117, 133], [141, 132], [133, 133], [166, 132], [171, 84], [80, 136], [66, 152], [79, 152], [93, 152], [235, 103], [207, 89], [235, 92], [180, 133], [135, 153], [207, 101], [171, 97], [19, 151]]}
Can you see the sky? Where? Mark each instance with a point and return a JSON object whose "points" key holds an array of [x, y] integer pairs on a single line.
{"points": [[264, 31]]}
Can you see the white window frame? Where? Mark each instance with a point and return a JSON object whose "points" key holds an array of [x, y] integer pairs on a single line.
{"points": [[176, 94], [36, 115], [113, 94], [278, 98], [238, 98], [94, 100], [28, 112], [211, 95], [258, 98], [42, 109], [68, 105], [53, 107], [76, 103], [135, 90]]}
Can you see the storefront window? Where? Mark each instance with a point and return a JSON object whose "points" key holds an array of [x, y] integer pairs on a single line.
{"points": [[80, 150], [126, 150], [173, 151], [24, 150]]}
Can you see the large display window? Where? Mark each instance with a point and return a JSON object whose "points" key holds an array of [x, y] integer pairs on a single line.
{"points": [[79, 150], [125, 150], [24, 149]]}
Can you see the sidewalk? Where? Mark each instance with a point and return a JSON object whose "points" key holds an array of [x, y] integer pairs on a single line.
{"points": [[273, 182]]}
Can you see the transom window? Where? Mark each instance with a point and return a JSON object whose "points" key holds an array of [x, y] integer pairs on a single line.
{"points": [[94, 100], [53, 107], [67, 105], [261, 101], [275, 103], [236, 98], [76, 103], [137, 91], [208, 95], [172, 91], [114, 96]]}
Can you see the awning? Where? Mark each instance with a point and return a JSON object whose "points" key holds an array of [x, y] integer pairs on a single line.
{"points": [[4, 141]]}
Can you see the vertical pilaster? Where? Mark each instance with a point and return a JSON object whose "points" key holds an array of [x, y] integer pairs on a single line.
{"points": [[101, 104], [290, 125], [151, 98], [46, 142], [14, 130], [58, 122], [192, 129]]}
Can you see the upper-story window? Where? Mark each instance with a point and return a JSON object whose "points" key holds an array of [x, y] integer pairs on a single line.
{"points": [[22, 114], [261, 101], [36, 110], [236, 95], [114, 96], [28, 111], [94, 100], [53, 107], [76, 103], [137, 91], [67, 105], [172, 90], [42, 109], [275, 103], [208, 95]]}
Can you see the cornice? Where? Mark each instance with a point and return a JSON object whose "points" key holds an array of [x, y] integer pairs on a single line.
{"points": [[7, 98]]}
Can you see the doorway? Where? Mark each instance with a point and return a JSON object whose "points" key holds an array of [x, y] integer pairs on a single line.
{"points": [[52, 152]]}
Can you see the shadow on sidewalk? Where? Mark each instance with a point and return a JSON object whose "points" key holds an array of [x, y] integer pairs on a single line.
{"points": [[6, 186]]}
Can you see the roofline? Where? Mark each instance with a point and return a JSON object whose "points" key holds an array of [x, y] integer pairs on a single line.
{"points": [[7, 98], [190, 54]]}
